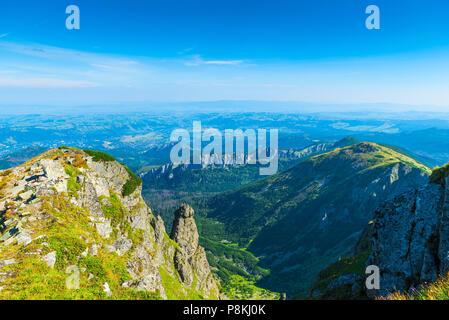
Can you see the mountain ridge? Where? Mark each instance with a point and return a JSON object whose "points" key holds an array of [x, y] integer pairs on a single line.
{"points": [[299, 219], [408, 240], [68, 210]]}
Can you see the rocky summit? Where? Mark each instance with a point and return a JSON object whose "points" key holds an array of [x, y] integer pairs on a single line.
{"points": [[74, 226]]}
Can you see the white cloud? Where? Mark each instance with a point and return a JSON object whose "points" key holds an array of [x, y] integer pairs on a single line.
{"points": [[41, 66], [44, 83], [3, 35], [224, 62], [197, 60]]}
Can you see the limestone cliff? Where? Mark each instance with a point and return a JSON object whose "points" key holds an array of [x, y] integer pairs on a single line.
{"points": [[190, 261], [74, 225], [410, 239]]}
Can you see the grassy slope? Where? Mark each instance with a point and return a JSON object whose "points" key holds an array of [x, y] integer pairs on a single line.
{"points": [[243, 209], [69, 233], [249, 210], [439, 290]]}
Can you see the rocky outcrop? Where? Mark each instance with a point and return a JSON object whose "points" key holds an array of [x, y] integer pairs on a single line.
{"points": [[184, 231], [190, 259], [408, 240], [65, 210], [411, 239]]}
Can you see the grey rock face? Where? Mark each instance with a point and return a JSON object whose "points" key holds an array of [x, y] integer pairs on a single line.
{"points": [[411, 239], [184, 230], [50, 259], [123, 245], [191, 258]]}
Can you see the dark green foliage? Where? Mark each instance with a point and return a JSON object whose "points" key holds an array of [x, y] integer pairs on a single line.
{"points": [[131, 185], [439, 175], [292, 218], [429, 162], [237, 269], [63, 147], [234, 255], [68, 248], [95, 266], [348, 265], [115, 211], [99, 156]]}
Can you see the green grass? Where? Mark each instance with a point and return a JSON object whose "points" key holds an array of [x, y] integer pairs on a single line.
{"points": [[347, 265], [237, 269], [174, 289], [116, 212], [69, 233], [131, 185], [99, 156], [439, 290], [73, 186], [439, 175]]}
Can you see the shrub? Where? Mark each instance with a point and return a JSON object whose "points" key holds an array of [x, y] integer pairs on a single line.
{"points": [[99, 156], [439, 174], [79, 161], [95, 266], [72, 171], [115, 211], [73, 186], [68, 248], [131, 185]]}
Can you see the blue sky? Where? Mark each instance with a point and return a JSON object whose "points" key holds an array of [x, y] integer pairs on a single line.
{"points": [[317, 51]]}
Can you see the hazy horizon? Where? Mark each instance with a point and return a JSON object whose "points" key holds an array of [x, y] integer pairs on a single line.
{"points": [[318, 51]]}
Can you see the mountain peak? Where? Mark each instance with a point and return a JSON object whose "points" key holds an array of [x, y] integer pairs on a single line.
{"points": [[184, 211], [312, 213], [346, 141], [72, 209], [365, 147]]}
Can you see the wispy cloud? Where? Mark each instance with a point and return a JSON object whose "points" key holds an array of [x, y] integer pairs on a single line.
{"points": [[41, 66], [3, 35], [224, 62], [197, 60], [44, 83]]}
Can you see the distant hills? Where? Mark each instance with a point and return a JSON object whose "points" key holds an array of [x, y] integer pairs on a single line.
{"points": [[18, 157]]}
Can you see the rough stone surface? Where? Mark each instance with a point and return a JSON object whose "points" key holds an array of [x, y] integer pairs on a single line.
{"points": [[184, 230], [411, 239], [107, 289], [122, 245], [50, 259], [129, 229], [191, 259]]}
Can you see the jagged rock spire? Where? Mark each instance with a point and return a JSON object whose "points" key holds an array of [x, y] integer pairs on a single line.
{"points": [[184, 231]]}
